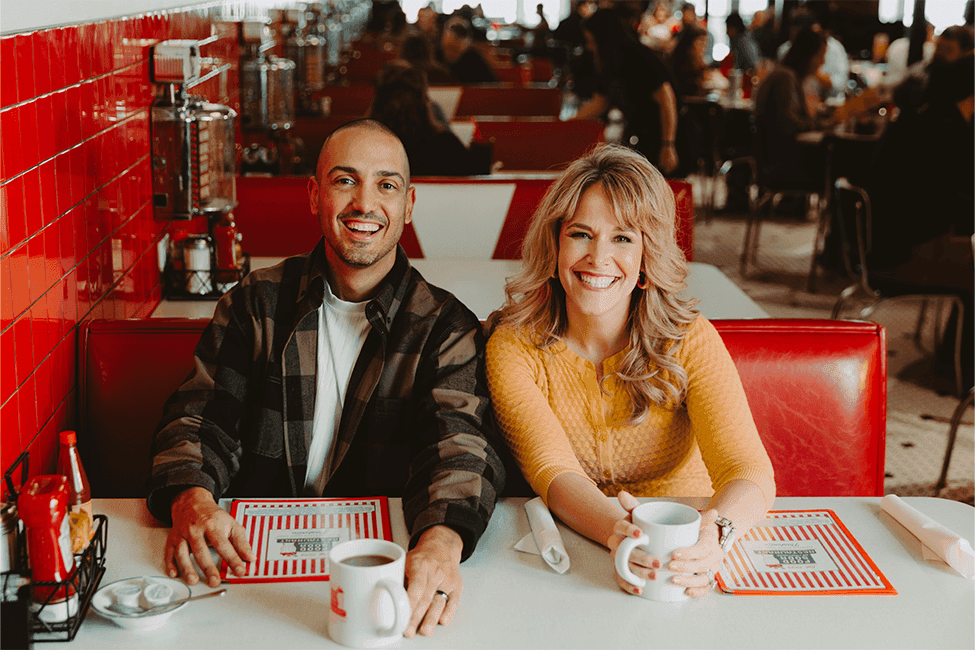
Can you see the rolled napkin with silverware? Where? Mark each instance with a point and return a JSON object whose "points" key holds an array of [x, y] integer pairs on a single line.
{"points": [[545, 539], [941, 542]]}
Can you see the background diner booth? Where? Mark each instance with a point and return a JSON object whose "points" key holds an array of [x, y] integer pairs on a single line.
{"points": [[156, 151]]}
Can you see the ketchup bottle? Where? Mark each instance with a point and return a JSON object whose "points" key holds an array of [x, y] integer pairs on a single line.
{"points": [[81, 519], [42, 505]]}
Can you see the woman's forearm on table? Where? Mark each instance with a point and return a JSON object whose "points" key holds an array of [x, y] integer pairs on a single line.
{"points": [[742, 502], [580, 505]]}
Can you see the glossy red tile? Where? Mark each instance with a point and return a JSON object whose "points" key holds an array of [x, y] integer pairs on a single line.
{"points": [[66, 235], [8, 369], [32, 201], [71, 58], [28, 135], [62, 176], [52, 255], [88, 110], [80, 182], [75, 133], [46, 140], [69, 289], [79, 230], [13, 192], [23, 348], [40, 330], [13, 161], [44, 449], [57, 65], [49, 191], [36, 272], [42, 387], [24, 53], [42, 62], [6, 299], [19, 284], [8, 71], [10, 446], [86, 49], [55, 312]]}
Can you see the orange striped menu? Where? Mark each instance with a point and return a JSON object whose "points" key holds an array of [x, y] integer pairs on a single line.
{"points": [[800, 552], [292, 537]]}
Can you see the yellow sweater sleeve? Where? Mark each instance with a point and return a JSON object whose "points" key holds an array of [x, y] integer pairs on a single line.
{"points": [[718, 410], [519, 392]]}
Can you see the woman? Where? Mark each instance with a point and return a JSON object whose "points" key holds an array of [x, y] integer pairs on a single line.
{"points": [[605, 382], [401, 102], [689, 63], [783, 109], [635, 80]]}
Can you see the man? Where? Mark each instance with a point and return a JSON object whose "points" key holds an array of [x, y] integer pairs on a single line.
{"points": [[463, 60], [337, 373], [951, 45]]}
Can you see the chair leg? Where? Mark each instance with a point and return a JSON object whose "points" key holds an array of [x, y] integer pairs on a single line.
{"points": [[822, 219], [959, 379], [952, 434]]}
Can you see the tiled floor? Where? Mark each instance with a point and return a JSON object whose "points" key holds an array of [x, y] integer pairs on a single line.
{"points": [[919, 405]]}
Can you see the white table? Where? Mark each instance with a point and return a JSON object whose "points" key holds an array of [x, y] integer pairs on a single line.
{"points": [[479, 284], [512, 600]]}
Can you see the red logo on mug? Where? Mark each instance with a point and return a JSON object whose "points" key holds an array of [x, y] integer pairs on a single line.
{"points": [[337, 602]]}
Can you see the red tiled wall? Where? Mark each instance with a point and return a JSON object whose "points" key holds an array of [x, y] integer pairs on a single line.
{"points": [[77, 233]]}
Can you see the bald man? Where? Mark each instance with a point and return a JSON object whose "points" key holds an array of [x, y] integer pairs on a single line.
{"points": [[341, 372]]}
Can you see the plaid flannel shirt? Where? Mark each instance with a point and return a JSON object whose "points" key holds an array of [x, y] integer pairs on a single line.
{"points": [[416, 420]]}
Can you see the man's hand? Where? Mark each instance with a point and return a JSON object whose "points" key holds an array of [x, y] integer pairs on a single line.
{"points": [[433, 566], [198, 522]]}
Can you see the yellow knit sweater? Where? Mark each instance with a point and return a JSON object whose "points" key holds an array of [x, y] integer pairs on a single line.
{"points": [[555, 419]]}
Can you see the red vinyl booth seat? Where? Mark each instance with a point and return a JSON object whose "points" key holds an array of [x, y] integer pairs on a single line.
{"points": [[817, 390]]}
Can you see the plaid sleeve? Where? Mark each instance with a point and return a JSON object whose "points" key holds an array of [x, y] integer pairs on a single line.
{"points": [[456, 477], [197, 443]]}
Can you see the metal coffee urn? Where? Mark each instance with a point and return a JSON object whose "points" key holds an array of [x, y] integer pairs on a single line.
{"points": [[267, 82], [193, 149]]}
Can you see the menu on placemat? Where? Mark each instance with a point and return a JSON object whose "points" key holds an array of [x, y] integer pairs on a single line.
{"points": [[800, 552], [292, 537]]}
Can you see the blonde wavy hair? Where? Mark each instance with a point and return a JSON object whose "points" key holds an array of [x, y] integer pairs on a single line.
{"points": [[643, 201]]}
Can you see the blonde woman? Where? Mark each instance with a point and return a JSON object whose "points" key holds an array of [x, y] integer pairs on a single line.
{"points": [[606, 383]]}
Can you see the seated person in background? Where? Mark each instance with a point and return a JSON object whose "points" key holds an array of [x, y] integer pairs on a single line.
{"points": [[952, 44], [783, 110], [688, 17], [898, 51], [688, 62], [465, 62], [416, 51], [923, 198], [606, 383], [403, 105], [337, 373]]}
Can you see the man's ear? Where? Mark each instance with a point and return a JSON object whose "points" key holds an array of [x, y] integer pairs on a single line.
{"points": [[410, 202], [313, 195]]}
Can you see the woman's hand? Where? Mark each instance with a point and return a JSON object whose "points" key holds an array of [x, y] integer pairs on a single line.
{"points": [[699, 559], [642, 564]]}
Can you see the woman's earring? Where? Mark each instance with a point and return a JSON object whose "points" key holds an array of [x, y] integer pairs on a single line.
{"points": [[641, 283]]}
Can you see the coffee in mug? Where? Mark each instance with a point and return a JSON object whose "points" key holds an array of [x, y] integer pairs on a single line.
{"points": [[666, 527], [367, 560], [368, 605]]}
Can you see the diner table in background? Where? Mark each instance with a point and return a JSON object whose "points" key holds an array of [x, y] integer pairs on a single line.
{"points": [[479, 284], [513, 600]]}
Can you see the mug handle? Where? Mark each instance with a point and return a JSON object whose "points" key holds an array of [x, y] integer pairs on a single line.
{"points": [[623, 552], [401, 607]]}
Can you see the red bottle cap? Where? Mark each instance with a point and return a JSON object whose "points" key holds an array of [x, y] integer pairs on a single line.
{"points": [[69, 438]]}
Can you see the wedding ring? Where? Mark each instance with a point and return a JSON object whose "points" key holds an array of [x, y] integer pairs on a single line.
{"points": [[446, 597]]}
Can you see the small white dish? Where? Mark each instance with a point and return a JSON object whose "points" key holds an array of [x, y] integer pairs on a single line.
{"points": [[107, 596]]}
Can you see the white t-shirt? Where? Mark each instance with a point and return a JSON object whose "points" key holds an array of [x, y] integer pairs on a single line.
{"points": [[342, 330]]}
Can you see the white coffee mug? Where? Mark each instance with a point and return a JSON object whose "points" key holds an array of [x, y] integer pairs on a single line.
{"points": [[368, 607], [666, 527]]}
